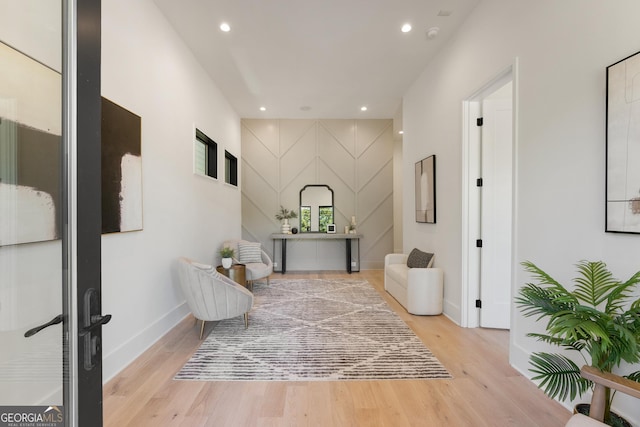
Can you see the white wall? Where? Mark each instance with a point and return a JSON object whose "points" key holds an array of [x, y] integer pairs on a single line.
{"points": [[563, 49], [353, 157], [148, 70]]}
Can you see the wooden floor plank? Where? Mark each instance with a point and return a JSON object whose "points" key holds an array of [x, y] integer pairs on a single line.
{"points": [[484, 390]]}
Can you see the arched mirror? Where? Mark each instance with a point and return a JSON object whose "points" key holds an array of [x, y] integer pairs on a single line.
{"points": [[316, 208]]}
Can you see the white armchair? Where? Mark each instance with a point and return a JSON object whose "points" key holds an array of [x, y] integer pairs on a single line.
{"points": [[210, 295], [257, 263]]}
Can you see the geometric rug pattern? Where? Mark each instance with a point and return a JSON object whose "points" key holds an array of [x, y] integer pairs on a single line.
{"points": [[313, 330]]}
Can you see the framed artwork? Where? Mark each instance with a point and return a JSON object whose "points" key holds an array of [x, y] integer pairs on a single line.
{"points": [[623, 146], [121, 169], [30, 150], [426, 190]]}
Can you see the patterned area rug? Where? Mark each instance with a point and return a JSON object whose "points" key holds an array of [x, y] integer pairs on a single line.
{"points": [[305, 330]]}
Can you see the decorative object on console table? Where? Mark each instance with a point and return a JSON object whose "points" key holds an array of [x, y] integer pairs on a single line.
{"points": [[622, 180], [425, 187], [227, 255], [285, 215], [352, 225]]}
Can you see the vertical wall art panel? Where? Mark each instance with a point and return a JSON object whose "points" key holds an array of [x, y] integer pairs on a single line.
{"points": [[623, 146], [121, 169], [426, 190], [30, 149]]}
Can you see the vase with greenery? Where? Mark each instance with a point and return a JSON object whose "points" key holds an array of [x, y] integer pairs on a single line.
{"points": [[599, 319], [227, 255], [285, 215]]}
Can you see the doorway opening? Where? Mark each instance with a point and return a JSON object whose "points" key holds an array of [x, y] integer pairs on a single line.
{"points": [[488, 203]]}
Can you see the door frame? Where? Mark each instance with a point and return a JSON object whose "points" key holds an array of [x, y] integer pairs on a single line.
{"points": [[469, 313], [83, 216]]}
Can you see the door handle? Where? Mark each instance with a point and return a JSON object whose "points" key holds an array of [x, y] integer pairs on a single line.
{"points": [[90, 333], [96, 322], [31, 332]]}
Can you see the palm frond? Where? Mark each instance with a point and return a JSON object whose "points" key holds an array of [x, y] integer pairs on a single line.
{"points": [[621, 294], [634, 376], [594, 283], [559, 376], [578, 325], [536, 300], [549, 283], [568, 344]]}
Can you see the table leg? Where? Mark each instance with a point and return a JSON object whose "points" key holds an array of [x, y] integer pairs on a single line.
{"points": [[348, 255], [283, 255]]}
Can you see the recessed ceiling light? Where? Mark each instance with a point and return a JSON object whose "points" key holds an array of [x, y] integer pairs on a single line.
{"points": [[363, 108], [225, 27], [263, 108], [406, 28], [401, 132]]}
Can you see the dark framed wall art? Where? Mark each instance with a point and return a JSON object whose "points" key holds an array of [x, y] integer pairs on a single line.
{"points": [[623, 146], [426, 190], [121, 169]]}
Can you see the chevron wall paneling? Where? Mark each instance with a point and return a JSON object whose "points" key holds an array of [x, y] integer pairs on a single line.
{"points": [[353, 157]]}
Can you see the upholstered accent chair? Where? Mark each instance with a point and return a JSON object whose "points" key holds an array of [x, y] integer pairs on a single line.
{"points": [[257, 263], [212, 296], [601, 381]]}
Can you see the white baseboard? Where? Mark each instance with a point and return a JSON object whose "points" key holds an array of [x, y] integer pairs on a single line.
{"points": [[128, 351]]}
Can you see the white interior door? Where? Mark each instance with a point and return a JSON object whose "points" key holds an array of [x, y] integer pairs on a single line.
{"points": [[496, 209]]}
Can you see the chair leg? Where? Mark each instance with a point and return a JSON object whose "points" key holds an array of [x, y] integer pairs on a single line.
{"points": [[246, 320], [267, 280], [202, 329]]}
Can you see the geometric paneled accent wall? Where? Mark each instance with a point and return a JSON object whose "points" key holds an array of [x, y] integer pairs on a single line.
{"points": [[353, 157]]}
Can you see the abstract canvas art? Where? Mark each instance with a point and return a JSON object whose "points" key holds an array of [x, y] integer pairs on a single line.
{"points": [[623, 146], [121, 169], [426, 190], [30, 149]]}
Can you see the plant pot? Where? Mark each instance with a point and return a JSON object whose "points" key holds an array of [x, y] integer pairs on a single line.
{"points": [[615, 419], [226, 263], [286, 228]]}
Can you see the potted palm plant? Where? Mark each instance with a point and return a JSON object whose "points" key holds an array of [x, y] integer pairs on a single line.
{"points": [[599, 320]]}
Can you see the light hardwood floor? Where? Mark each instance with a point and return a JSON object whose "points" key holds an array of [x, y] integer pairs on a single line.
{"points": [[484, 391]]}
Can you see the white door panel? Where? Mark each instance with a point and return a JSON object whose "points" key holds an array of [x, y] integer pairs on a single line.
{"points": [[497, 175]]}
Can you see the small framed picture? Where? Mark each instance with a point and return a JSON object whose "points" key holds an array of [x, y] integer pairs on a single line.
{"points": [[331, 228]]}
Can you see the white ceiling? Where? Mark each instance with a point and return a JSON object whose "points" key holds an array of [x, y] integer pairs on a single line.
{"points": [[332, 56]]}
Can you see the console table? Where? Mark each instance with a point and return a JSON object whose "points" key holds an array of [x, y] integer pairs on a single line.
{"points": [[348, 238]]}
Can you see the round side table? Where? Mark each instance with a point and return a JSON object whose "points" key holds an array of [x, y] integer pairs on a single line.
{"points": [[236, 272]]}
